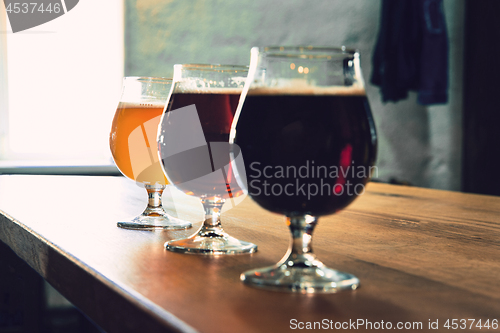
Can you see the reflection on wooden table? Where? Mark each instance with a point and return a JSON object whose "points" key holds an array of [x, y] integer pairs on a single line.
{"points": [[422, 255]]}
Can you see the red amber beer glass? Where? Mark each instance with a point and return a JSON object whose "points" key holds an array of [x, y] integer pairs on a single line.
{"points": [[195, 153]]}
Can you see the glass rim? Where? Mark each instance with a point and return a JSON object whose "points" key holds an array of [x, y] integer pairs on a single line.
{"points": [[148, 79], [312, 52], [212, 67]]}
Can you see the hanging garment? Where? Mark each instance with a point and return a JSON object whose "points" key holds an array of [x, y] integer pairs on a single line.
{"points": [[412, 51]]}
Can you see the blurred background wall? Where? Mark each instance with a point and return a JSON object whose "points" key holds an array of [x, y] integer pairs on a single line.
{"points": [[419, 145]]}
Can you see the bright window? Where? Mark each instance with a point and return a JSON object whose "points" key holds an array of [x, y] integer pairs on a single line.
{"points": [[63, 82]]}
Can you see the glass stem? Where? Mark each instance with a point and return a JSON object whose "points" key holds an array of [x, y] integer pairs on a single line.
{"points": [[154, 207], [300, 253], [212, 226]]}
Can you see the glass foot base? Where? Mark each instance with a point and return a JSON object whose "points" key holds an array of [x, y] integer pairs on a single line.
{"points": [[303, 280], [210, 244], [155, 222]]}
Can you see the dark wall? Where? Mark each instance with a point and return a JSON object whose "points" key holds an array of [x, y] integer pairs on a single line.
{"points": [[481, 94]]}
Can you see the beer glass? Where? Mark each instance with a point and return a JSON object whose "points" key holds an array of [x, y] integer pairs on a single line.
{"points": [[308, 142], [194, 150], [133, 146]]}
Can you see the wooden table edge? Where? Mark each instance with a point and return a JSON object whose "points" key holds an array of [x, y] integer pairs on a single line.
{"points": [[150, 316]]}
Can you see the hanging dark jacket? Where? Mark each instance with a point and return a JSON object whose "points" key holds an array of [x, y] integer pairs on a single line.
{"points": [[412, 51]]}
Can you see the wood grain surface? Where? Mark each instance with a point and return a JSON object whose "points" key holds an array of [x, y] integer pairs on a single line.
{"points": [[422, 256]]}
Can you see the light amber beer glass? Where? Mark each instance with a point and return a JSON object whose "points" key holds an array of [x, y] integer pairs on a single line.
{"points": [[133, 146], [134, 126]]}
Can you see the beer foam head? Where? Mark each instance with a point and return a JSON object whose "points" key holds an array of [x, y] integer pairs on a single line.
{"points": [[304, 87], [206, 86], [147, 104], [208, 90]]}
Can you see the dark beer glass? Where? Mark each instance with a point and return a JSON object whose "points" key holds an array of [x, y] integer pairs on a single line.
{"points": [[308, 144], [194, 150]]}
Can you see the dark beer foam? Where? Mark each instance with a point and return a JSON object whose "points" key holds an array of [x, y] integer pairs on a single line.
{"points": [[301, 87]]}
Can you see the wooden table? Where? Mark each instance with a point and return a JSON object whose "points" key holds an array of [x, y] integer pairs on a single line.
{"points": [[422, 256]]}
